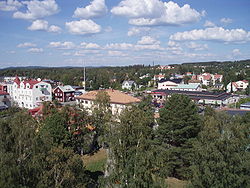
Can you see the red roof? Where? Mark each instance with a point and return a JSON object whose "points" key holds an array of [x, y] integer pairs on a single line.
{"points": [[31, 83], [3, 93], [245, 81], [217, 76]]}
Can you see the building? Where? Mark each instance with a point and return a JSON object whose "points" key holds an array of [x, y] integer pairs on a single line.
{"points": [[199, 97], [118, 100], [165, 67], [188, 87], [208, 79], [245, 106], [129, 85], [30, 93], [5, 102], [64, 93], [169, 83], [159, 77], [237, 86], [3, 87]]}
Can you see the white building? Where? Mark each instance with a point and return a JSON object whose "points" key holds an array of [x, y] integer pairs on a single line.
{"points": [[169, 83], [129, 84], [237, 86], [208, 79], [30, 93], [118, 100]]}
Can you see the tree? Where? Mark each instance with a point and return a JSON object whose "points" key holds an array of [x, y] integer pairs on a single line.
{"points": [[64, 169], [179, 125], [222, 153], [131, 153], [18, 148], [55, 128]]}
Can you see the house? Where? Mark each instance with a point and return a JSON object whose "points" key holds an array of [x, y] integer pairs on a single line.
{"points": [[188, 87], [208, 79], [129, 84], [118, 100], [5, 102], [64, 93], [159, 77], [30, 93], [165, 67], [245, 106], [169, 83], [3, 87], [199, 97], [237, 86]]}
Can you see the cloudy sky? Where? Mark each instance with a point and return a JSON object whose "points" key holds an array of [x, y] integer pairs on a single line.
{"points": [[114, 32]]}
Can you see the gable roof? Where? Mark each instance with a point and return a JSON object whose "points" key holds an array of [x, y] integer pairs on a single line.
{"points": [[176, 80], [66, 88], [115, 96], [130, 82]]}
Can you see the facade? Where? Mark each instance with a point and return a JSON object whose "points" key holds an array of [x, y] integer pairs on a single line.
{"points": [[64, 93], [169, 83], [159, 77], [129, 84], [237, 86], [3, 87], [5, 102], [188, 87], [208, 79], [30, 93], [203, 98], [245, 106], [118, 100]]}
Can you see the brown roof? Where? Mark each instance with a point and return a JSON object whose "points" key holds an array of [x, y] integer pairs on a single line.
{"points": [[115, 96]]}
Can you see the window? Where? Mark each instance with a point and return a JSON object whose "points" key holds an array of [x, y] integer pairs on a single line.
{"points": [[86, 102], [37, 98], [36, 86]]}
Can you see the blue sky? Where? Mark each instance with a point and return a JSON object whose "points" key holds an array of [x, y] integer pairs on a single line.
{"points": [[117, 33]]}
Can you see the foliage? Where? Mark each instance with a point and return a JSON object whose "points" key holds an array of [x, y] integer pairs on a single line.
{"points": [[131, 153], [179, 125], [221, 158]]}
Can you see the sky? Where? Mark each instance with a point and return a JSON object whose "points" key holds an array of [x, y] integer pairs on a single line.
{"points": [[58, 33]]}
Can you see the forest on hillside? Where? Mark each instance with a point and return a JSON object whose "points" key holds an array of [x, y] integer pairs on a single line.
{"points": [[112, 77]]}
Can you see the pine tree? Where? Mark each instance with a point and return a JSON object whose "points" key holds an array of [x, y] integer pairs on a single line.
{"points": [[179, 125], [222, 154]]}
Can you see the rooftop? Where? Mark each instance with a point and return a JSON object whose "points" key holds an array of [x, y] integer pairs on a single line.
{"points": [[115, 96]]}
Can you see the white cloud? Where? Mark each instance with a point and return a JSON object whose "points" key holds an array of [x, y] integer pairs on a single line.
{"points": [[26, 44], [213, 34], [119, 46], [54, 29], [137, 31], [39, 25], [83, 27], [147, 40], [37, 9], [62, 45], [209, 24], [156, 12], [97, 8], [90, 45], [196, 46], [148, 47], [35, 50], [116, 53], [10, 5], [43, 25], [226, 21], [236, 52]]}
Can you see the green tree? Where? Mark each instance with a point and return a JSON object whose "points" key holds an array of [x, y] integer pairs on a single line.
{"points": [[179, 125], [55, 128], [18, 148], [64, 169], [131, 153], [222, 156]]}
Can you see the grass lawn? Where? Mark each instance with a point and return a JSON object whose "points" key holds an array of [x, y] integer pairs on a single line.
{"points": [[176, 183], [97, 161]]}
